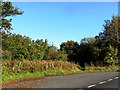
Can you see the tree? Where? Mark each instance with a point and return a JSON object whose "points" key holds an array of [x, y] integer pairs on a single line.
{"points": [[88, 53], [62, 55], [89, 40], [16, 46], [111, 56], [41, 46], [8, 10], [108, 41], [111, 31], [71, 48], [51, 53]]}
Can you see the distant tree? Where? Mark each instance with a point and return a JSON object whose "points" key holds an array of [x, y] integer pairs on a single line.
{"points": [[16, 46], [8, 10], [90, 40], [42, 47], [51, 53], [71, 48], [62, 55], [88, 53]]}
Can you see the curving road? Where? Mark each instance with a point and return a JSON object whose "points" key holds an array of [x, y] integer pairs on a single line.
{"points": [[105, 80]]}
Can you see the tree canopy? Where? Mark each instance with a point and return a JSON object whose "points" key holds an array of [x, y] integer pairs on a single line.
{"points": [[7, 10]]}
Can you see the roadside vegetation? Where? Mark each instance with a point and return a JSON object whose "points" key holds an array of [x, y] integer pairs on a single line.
{"points": [[26, 69], [23, 57]]}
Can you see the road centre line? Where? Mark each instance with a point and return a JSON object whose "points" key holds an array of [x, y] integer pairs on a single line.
{"points": [[116, 77], [109, 79], [91, 86], [102, 82]]}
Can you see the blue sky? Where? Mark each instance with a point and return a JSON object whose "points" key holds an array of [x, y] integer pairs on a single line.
{"points": [[61, 21]]}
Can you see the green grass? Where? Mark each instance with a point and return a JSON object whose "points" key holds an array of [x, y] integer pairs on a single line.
{"points": [[6, 77], [13, 76]]}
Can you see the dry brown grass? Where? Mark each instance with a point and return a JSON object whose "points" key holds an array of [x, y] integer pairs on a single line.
{"points": [[17, 66]]}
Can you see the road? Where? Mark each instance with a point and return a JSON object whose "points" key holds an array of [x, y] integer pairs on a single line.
{"points": [[75, 82]]}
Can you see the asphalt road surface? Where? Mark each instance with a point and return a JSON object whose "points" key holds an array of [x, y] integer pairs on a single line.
{"points": [[105, 80]]}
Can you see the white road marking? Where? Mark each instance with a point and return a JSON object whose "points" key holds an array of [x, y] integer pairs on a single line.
{"points": [[116, 77], [110, 79], [102, 82], [91, 86]]}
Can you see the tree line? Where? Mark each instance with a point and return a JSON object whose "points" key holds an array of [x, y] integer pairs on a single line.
{"points": [[101, 50], [16, 46]]}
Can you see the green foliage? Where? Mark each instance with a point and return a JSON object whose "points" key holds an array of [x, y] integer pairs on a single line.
{"points": [[111, 31], [111, 56], [90, 40], [20, 47], [51, 53], [62, 55], [88, 53], [8, 10], [71, 49], [108, 41], [6, 55]]}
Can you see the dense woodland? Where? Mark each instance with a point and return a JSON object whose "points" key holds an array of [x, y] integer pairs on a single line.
{"points": [[101, 50]]}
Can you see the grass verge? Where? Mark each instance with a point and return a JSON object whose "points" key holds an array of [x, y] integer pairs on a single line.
{"points": [[18, 77], [8, 78], [16, 71]]}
